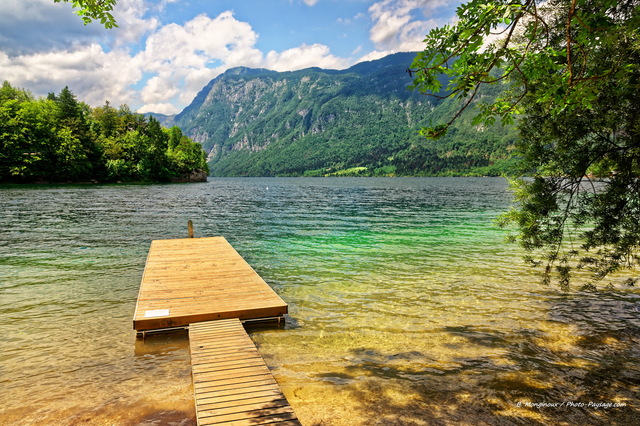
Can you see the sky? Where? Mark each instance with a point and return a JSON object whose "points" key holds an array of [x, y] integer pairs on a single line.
{"points": [[165, 51]]}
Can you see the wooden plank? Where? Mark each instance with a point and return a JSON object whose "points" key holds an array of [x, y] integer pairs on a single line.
{"points": [[210, 389], [191, 303], [200, 279], [250, 411], [239, 391], [250, 394], [255, 417], [232, 384]]}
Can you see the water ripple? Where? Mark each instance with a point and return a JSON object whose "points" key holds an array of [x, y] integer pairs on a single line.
{"points": [[403, 299]]}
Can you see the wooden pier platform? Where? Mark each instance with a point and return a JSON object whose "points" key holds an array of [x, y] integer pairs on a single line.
{"points": [[205, 285], [200, 279], [232, 384]]}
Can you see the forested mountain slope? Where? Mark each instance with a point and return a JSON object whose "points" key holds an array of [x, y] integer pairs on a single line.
{"points": [[358, 121]]}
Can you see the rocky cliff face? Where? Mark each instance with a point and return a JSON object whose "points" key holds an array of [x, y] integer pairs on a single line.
{"points": [[261, 122]]}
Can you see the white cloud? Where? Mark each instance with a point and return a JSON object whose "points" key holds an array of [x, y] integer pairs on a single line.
{"points": [[176, 60], [376, 54], [396, 28], [29, 26], [160, 68], [91, 73], [44, 47], [185, 57], [157, 89], [132, 24], [164, 3], [305, 56], [199, 42], [161, 108]]}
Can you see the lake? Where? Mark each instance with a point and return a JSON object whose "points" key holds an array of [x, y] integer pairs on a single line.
{"points": [[406, 306]]}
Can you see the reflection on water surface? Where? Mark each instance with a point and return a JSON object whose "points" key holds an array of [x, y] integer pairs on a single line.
{"points": [[406, 307]]}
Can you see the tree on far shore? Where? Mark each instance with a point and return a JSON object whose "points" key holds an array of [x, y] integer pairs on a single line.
{"points": [[60, 139]]}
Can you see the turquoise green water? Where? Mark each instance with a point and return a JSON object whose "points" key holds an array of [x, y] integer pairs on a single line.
{"points": [[406, 307]]}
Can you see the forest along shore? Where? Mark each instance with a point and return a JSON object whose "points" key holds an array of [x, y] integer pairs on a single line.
{"points": [[60, 139]]}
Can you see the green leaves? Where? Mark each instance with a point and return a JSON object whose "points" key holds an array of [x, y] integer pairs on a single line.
{"points": [[465, 53], [61, 139], [90, 10], [527, 44], [573, 70]]}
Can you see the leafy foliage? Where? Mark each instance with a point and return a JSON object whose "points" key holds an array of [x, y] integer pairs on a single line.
{"points": [[360, 121], [90, 10], [60, 139], [572, 69]]}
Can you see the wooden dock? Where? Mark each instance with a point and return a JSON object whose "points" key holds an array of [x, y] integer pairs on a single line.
{"points": [[231, 382], [200, 279], [205, 285]]}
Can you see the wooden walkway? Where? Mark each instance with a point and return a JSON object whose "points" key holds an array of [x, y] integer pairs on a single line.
{"points": [[205, 285], [200, 279], [232, 384]]}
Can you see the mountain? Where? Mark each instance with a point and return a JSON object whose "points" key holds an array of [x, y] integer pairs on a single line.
{"points": [[164, 119], [358, 121]]}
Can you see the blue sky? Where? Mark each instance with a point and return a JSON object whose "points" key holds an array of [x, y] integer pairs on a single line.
{"points": [[165, 51]]}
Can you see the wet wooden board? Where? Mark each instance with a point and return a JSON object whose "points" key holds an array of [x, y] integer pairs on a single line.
{"points": [[232, 384], [200, 279]]}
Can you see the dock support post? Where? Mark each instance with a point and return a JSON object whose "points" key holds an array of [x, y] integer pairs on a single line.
{"points": [[190, 228]]}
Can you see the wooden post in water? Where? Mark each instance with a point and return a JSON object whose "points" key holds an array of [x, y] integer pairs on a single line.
{"points": [[190, 228]]}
